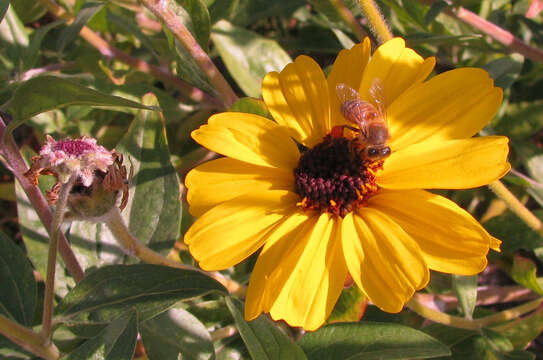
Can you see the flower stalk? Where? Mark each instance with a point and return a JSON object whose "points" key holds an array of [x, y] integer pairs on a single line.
{"points": [[27, 339], [58, 217], [378, 24], [163, 11], [459, 322], [116, 225], [516, 206]]}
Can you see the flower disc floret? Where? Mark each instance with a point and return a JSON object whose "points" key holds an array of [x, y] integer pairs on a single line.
{"points": [[333, 177]]}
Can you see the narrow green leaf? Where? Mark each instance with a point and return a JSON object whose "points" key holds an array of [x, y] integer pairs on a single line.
{"points": [[19, 291], [505, 70], [524, 330], [350, 307], [3, 9], [186, 337], [28, 10], [466, 291], [13, 38], [514, 233], [524, 272], [370, 340], [46, 93], [115, 342], [251, 106], [247, 55], [435, 9], [199, 20], [70, 33], [150, 289], [263, 340], [129, 26], [31, 53]]}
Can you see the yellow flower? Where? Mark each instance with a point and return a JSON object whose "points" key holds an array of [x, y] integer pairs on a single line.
{"points": [[392, 232]]}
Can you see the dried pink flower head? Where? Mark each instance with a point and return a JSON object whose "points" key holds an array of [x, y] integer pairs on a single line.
{"points": [[92, 165]]}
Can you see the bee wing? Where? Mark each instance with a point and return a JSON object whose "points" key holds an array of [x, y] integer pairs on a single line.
{"points": [[378, 96], [345, 93]]}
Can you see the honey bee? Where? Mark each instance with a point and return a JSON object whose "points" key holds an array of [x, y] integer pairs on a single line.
{"points": [[370, 119]]}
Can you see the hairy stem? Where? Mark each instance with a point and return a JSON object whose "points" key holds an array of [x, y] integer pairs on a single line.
{"points": [[58, 217], [27, 339], [111, 52], [162, 9], [116, 225], [378, 24], [16, 164], [516, 206], [439, 317]]}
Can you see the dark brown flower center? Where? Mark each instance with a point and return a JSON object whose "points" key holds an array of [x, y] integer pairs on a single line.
{"points": [[333, 177], [73, 147]]}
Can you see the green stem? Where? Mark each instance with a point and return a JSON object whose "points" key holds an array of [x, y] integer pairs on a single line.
{"points": [[58, 217], [516, 206], [162, 9], [27, 339], [349, 19], [116, 225], [378, 25], [463, 323]]}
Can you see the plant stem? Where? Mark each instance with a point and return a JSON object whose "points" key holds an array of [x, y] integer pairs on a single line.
{"points": [[349, 19], [16, 164], [162, 9], [437, 316], [116, 225], [378, 24], [58, 217], [110, 51], [516, 206], [27, 339]]}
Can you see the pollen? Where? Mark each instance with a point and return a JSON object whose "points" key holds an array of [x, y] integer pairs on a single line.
{"points": [[333, 177]]}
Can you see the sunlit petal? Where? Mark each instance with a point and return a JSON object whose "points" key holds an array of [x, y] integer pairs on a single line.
{"points": [[250, 138]]}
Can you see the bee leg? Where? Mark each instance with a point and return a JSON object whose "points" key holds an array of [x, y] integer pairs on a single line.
{"points": [[338, 130]]}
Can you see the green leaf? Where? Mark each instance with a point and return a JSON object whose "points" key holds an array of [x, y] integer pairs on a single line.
{"points": [[350, 307], [251, 106], [46, 93], [153, 212], [70, 33], [19, 291], [13, 38], [150, 289], [514, 233], [524, 330], [28, 10], [370, 340], [199, 21], [524, 272], [247, 55], [263, 340], [115, 342], [466, 291], [186, 337], [505, 70], [31, 53], [36, 238], [435, 9], [244, 12], [3, 9]]}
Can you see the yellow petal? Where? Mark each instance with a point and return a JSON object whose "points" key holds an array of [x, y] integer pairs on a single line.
{"points": [[348, 69], [232, 231], [398, 67], [382, 259], [450, 239], [303, 274], [452, 105], [450, 164], [250, 138], [220, 180], [297, 98]]}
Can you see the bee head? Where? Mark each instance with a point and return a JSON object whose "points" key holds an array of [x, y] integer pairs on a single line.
{"points": [[375, 153]]}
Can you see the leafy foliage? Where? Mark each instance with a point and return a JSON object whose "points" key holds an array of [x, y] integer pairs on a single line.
{"points": [[114, 71]]}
